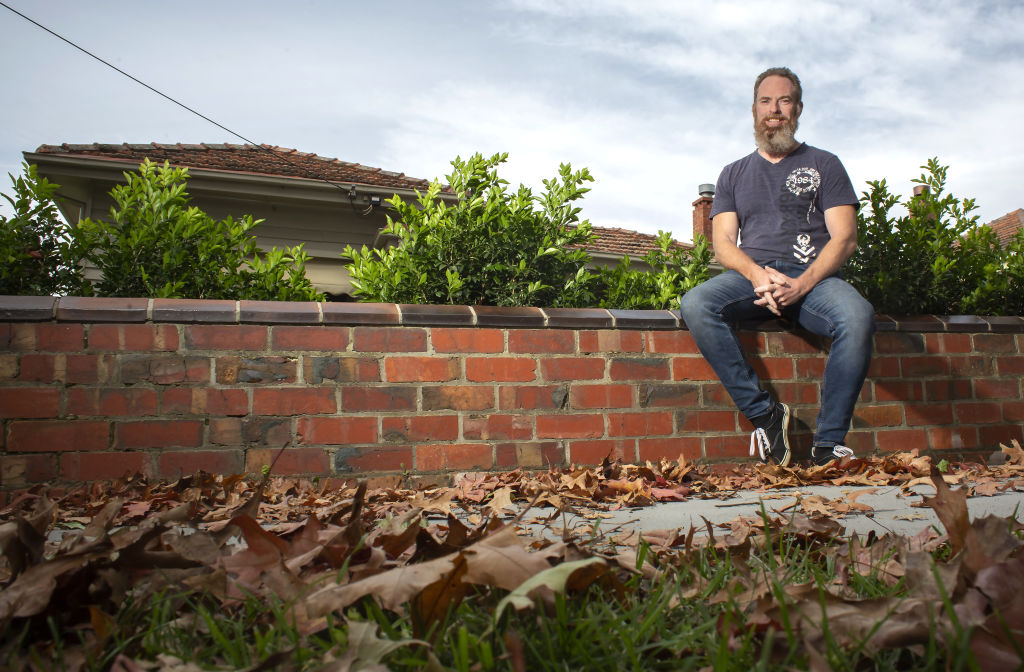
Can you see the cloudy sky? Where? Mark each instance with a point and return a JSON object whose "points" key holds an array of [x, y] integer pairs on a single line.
{"points": [[653, 96]]}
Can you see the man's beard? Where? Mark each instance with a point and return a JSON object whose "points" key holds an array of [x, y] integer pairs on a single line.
{"points": [[776, 140]]}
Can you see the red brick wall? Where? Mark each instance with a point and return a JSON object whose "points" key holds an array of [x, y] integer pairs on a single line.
{"points": [[95, 388]]}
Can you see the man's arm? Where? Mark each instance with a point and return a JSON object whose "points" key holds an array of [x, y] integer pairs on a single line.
{"points": [[841, 222], [724, 233]]}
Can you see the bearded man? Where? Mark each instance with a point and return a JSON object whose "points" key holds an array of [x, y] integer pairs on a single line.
{"points": [[784, 223]]}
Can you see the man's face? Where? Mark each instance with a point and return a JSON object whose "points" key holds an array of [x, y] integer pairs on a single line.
{"points": [[775, 115]]}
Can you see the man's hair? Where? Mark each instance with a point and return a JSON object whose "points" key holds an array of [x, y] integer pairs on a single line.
{"points": [[798, 92]]}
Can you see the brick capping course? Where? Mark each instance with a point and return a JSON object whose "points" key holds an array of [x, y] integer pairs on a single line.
{"points": [[91, 387], [107, 309]]}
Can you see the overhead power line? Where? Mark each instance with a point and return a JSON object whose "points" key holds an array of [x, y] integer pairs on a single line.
{"points": [[176, 102]]}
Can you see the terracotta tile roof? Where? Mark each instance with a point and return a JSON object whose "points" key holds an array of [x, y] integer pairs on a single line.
{"points": [[625, 241], [1007, 225], [262, 160], [281, 161]]}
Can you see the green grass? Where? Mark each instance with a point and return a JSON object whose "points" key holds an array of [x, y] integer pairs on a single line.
{"points": [[621, 622]]}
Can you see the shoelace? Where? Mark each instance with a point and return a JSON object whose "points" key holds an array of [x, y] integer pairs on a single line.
{"points": [[841, 451], [759, 440]]}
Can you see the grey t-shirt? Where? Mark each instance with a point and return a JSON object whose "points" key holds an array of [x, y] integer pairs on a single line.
{"points": [[781, 206]]}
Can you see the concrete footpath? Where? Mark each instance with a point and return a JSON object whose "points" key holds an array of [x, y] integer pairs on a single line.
{"points": [[890, 510]]}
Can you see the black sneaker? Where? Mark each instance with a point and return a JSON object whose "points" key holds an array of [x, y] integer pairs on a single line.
{"points": [[771, 442], [822, 455]]}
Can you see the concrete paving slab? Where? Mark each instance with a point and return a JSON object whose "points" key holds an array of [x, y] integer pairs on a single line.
{"points": [[891, 510]]}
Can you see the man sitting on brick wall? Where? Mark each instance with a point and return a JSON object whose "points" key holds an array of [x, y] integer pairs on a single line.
{"points": [[784, 222]]}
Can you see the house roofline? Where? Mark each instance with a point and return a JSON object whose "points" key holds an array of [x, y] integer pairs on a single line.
{"points": [[116, 166]]}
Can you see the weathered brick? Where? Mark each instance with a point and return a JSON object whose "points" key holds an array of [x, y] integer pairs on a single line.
{"points": [[390, 339], [917, 367], [178, 463], [570, 426], [1010, 366], [1013, 411], [773, 368], [928, 414], [529, 454], [47, 436], [675, 342], [389, 398], [273, 432], [801, 343], [503, 369], [289, 461], [89, 369], [998, 343], [104, 465], [310, 339], [640, 424], [900, 390], [432, 457], [29, 402], [970, 367], [421, 369], [19, 471], [962, 437], [726, 447], [572, 368], [39, 368], [992, 436], [978, 412], [706, 421], [752, 342], [611, 340], [901, 440], [715, 396], [204, 401], [349, 459], [119, 401], [9, 367], [884, 415], [336, 431], [293, 401], [160, 434], [133, 337], [653, 450], [673, 395], [458, 398], [226, 337], [898, 342], [498, 427], [420, 428], [542, 341], [814, 368], [239, 370], [997, 388], [882, 367], [601, 396], [692, 368], [342, 369], [639, 368], [529, 397], [59, 337], [467, 340], [795, 393], [594, 452], [164, 369], [948, 343]]}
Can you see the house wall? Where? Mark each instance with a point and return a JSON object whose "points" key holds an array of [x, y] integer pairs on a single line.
{"points": [[92, 388]]}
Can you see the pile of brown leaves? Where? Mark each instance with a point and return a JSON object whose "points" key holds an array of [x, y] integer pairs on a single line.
{"points": [[77, 557]]}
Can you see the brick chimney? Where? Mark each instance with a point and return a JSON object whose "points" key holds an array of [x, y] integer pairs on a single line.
{"points": [[702, 211]]}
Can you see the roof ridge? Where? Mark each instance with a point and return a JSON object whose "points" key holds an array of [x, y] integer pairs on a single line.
{"points": [[264, 159]]}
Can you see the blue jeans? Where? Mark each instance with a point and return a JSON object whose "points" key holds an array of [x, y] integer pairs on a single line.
{"points": [[833, 308]]}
